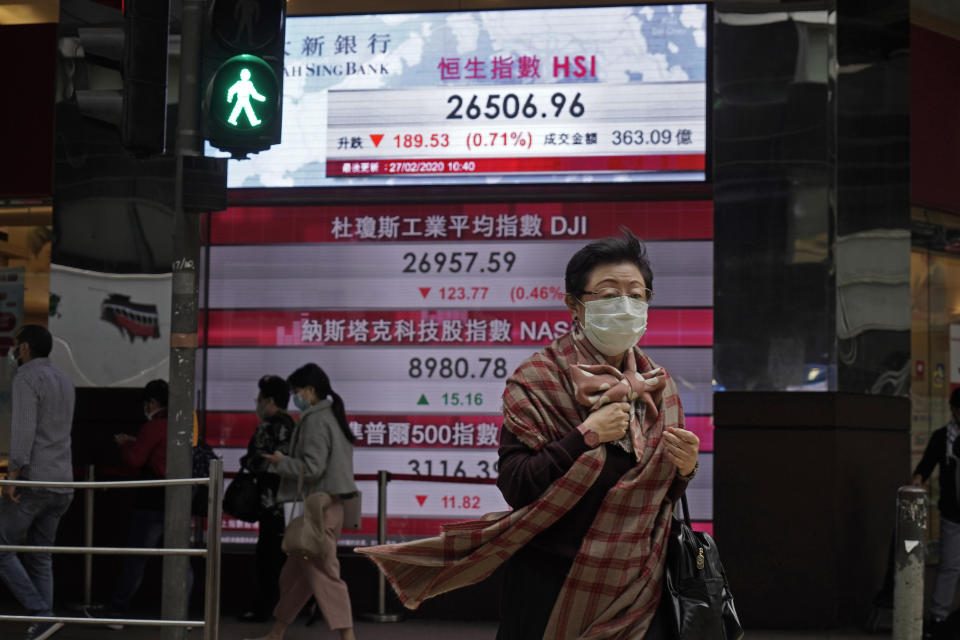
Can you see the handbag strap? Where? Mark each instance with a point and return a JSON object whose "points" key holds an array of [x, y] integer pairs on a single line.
{"points": [[685, 508], [299, 481]]}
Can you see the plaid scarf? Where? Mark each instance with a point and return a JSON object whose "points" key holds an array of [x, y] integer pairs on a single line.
{"points": [[596, 385], [613, 587]]}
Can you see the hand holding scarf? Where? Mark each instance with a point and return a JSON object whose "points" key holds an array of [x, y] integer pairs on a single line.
{"points": [[597, 385]]}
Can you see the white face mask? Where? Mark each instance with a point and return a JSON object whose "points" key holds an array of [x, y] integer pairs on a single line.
{"points": [[615, 325]]}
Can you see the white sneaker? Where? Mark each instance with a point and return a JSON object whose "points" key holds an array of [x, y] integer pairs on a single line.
{"points": [[99, 612]]}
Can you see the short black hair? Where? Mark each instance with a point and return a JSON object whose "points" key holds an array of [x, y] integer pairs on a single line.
{"points": [[156, 390], [626, 248], [275, 388], [39, 339], [955, 398]]}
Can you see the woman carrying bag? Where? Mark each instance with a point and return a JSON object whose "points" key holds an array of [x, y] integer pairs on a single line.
{"points": [[320, 460], [274, 428]]}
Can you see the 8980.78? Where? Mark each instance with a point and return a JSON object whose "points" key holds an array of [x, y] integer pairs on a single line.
{"points": [[458, 368]]}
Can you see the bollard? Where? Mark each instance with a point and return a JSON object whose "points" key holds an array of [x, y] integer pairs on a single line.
{"points": [[381, 615], [211, 591], [908, 564], [88, 538]]}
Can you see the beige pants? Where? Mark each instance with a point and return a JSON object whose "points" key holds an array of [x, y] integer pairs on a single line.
{"points": [[304, 577]]}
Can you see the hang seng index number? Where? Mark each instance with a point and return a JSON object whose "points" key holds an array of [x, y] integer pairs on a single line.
{"points": [[511, 105]]}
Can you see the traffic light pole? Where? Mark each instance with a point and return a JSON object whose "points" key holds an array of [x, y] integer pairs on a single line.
{"points": [[183, 328]]}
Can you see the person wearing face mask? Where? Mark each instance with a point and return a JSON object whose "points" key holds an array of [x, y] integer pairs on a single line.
{"points": [[145, 456], [40, 450], [272, 434], [320, 459], [593, 454]]}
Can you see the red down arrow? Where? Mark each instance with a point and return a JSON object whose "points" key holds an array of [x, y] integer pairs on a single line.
{"points": [[421, 499]]}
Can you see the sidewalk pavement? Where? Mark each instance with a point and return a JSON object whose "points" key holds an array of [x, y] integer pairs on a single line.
{"points": [[413, 629]]}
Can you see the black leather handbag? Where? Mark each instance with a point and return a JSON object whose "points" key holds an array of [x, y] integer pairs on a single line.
{"points": [[700, 600], [242, 497]]}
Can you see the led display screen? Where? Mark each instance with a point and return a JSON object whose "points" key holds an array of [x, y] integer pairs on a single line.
{"points": [[601, 94], [419, 313]]}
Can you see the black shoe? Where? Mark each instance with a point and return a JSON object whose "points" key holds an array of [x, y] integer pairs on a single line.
{"points": [[105, 613], [254, 616], [42, 630], [315, 614]]}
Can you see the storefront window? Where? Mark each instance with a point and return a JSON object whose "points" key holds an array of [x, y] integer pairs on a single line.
{"points": [[935, 325]]}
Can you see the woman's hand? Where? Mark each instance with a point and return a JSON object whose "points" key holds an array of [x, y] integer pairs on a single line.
{"points": [[274, 457], [123, 438], [683, 449], [609, 422]]}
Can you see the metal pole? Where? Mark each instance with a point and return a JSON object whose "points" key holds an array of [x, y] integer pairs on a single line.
{"points": [[211, 630], [908, 565], [183, 326], [381, 615], [88, 539], [383, 477]]}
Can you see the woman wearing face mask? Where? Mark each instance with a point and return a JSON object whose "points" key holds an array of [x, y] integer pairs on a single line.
{"points": [[321, 450], [592, 455], [594, 409], [274, 428]]}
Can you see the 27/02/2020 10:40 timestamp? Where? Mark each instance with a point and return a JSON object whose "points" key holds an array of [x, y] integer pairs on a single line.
{"points": [[431, 166]]}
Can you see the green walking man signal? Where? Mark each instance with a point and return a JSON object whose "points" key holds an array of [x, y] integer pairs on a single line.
{"points": [[243, 95], [243, 90], [242, 74]]}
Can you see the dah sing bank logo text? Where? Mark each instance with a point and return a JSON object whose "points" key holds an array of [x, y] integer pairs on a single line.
{"points": [[575, 67], [339, 69]]}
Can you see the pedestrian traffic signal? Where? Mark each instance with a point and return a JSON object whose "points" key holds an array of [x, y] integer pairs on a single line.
{"points": [[139, 51], [243, 74], [238, 85]]}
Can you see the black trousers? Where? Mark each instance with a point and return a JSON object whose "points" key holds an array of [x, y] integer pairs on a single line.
{"points": [[269, 559], [532, 581]]}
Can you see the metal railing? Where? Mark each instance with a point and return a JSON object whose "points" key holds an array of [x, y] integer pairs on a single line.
{"points": [[211, 622]]}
